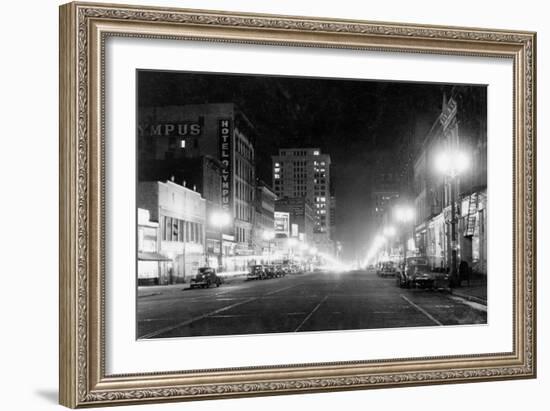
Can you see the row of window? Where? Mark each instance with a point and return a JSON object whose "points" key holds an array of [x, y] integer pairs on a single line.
{"points": [[298, 153], [174, 229], [242, 235], [244, 191], [243, 212], [244, 149], [244, 170]]}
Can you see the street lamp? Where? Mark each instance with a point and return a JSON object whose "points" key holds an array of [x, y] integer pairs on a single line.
{"points": [[220, 219], [452, 163], [389, 232], [268, 235], [291, 243], [405, 214]]}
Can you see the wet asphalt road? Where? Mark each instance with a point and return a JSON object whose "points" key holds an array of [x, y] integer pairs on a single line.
{"points": [[296, 303]]}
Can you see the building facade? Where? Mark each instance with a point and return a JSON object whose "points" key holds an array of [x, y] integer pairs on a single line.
{"points": [[150, 263], [176, 134], [301, 217], [460, 126], [180, 214], [305, 172], [263, 233]]}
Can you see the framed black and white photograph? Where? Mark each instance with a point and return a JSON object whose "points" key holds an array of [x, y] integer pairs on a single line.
{"points": [[361, 222], [260, 204]]}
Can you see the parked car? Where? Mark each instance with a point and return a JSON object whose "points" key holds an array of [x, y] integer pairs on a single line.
{"points": [[417, 273], [413, 267], [205, 277], [257, 272], [387, 269], [270, 271], [280, 271], [371, 269], [285, 268]]}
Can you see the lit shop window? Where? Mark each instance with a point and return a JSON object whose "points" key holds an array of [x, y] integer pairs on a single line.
{"points": [[316, 152]]}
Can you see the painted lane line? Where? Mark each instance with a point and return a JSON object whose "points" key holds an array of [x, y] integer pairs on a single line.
{"points": [[211, 313], [311, 313], [423, 311], [192, 320]]}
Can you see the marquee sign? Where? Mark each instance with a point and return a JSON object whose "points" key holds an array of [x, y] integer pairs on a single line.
{"points": [[282, 223]]}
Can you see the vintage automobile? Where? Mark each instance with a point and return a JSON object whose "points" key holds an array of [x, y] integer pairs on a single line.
{"points": [[387, 269], [285, 269], [270, 271], [279, 271], [417, 273], [205, 277], [257, 272], [371, 269], [414, 267]]}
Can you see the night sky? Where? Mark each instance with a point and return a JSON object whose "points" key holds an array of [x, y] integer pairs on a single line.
{"points": [[364, 125]]}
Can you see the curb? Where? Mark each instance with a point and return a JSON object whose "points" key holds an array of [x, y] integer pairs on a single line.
{"points": [[471, 298], [149, 295]]}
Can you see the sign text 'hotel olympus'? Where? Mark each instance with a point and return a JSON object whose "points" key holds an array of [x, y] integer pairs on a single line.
{"points": [[225, 136]]}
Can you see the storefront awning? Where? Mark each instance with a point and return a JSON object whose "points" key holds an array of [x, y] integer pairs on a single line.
{"points": [[148, 256]]}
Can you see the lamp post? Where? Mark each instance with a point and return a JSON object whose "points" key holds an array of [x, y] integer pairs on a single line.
{"points": [[220, 219], [291, 243], [389, 232], [313, 251], [452, 163], [405, 214], [268, 235]]}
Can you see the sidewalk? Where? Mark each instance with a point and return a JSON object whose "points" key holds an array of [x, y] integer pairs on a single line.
{"points": [[151, 290], [475, 290]]}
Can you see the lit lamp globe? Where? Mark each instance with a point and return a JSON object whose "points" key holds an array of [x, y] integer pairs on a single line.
{"points": [[451, 163], [389, 231], [220, 219], [404, 213]]}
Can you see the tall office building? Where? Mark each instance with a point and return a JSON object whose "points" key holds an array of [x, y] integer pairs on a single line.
{"points": [[305, 172]]}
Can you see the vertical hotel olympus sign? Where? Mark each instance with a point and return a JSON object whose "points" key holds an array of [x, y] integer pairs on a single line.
{"points": [[225, 137]]}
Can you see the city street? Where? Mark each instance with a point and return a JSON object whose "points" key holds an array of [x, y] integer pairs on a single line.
{"points": [[304, 302]]}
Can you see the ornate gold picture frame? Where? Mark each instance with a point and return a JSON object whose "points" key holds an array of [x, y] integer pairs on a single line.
{"points": [[84, 30]]}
